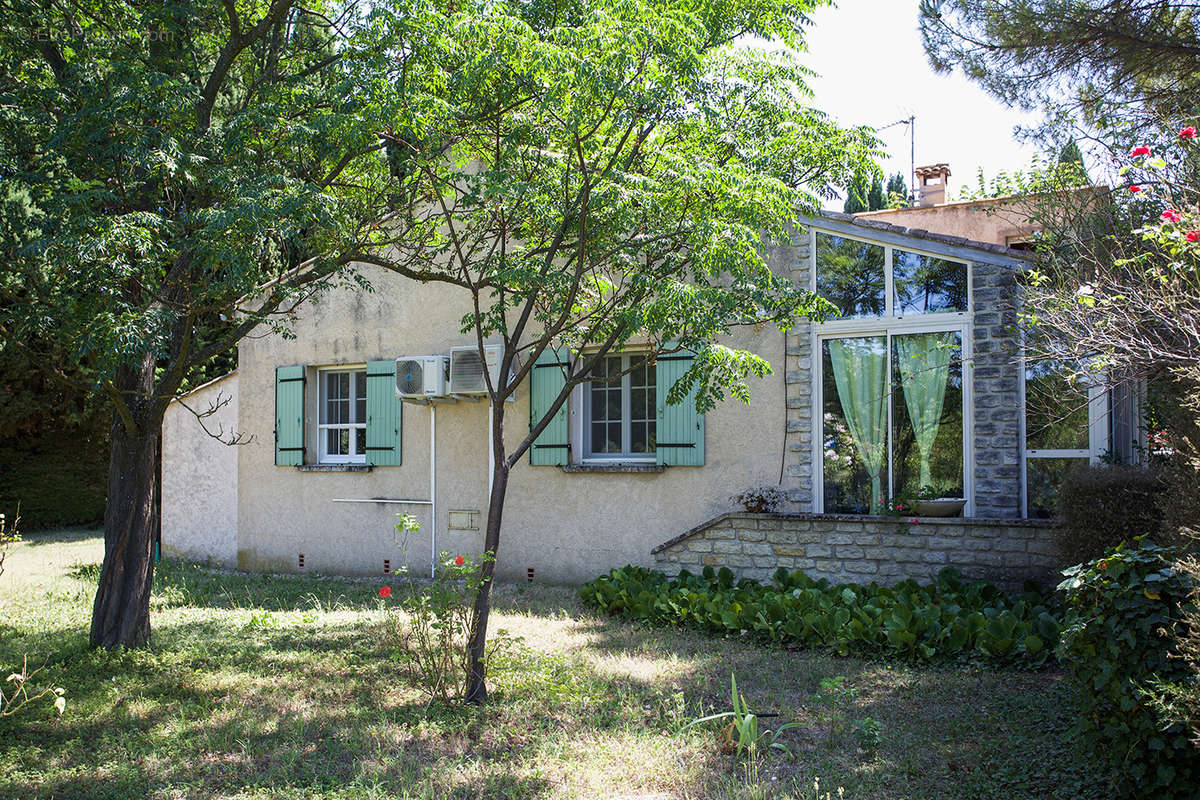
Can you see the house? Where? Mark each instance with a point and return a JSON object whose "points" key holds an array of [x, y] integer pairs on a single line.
{"points": [[918, 385]]}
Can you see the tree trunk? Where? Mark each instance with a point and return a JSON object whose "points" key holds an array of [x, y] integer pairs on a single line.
{"points": [[121, 612], [477, 645]]}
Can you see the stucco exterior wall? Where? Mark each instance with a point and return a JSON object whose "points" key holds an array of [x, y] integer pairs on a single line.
{"points": [[567, 527], [999, 221], [200, 477]]}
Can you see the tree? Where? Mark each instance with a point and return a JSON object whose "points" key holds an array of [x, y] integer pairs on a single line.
{"points": [[1118, 287], [897, 191], [875, 197], [1097, 58], [856, 194], [602, 174], [159, 163], [864, 194]]}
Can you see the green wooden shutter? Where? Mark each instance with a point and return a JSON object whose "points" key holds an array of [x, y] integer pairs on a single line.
{"points": [[289, 416], [680, 433], [546, 380], [385, 415]]}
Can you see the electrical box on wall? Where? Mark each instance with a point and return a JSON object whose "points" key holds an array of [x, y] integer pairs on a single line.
{"points": [[463, 520]]}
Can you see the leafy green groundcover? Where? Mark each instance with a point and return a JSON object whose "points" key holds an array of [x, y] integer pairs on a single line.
{"points": [[949, 618], [1126, 614]]}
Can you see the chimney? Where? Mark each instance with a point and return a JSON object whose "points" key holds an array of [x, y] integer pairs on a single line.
{"points": [[931, 182]]}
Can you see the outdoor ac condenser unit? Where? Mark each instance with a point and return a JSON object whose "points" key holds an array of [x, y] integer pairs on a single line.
{"points": [[421, 376], [466, 370]]}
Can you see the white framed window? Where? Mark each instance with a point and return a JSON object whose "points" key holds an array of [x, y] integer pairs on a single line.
{"points": [[342, 425], [866, 279], [620, 410], [1066, 426], [892, 395]]}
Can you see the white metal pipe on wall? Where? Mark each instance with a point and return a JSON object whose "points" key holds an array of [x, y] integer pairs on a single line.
{"points": [[433, 490]]}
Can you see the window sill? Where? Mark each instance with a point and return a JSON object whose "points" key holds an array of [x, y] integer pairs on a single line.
{"points": [[335, 467], [618, 467]]}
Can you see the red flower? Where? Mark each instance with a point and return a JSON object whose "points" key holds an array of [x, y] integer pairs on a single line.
{"points": [[1102, 565], [1193, 236], [914, 521], [1171, 215], [385, 591], [1187, 132], [1135, 189], [1140, 150], [459, 560]]}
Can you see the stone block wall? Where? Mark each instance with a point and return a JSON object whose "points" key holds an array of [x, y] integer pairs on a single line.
{"points": [[996, 380], [851, 549]]}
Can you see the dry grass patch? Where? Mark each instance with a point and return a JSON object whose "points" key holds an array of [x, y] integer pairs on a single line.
{"points": [[276, 687]]}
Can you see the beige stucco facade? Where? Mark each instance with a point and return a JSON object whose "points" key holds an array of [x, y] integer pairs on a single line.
{"points": [[568, 527], [1003, 221], [200, 475]]}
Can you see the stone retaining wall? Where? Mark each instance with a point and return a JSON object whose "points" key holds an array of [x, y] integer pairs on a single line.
{"points": [[856, 549]]}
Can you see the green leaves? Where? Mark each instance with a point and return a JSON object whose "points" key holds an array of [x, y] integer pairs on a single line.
{"points": [[947, 619], [1113, 644]]}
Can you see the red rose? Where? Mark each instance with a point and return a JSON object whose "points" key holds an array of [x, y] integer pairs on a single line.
{"points": [[1193, 236], [1171, 215], [1140, 150], [1135, 189], [1187, 132], [385, 591], [459, 560], [914, 521]]}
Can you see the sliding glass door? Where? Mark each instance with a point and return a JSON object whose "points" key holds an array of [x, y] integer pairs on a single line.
{"points": [[892, 419]]}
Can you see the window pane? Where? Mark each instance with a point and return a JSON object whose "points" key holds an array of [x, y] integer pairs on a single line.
{"points": [[360, 441], [850, 275], [927, 414], [1056, 407], [926, 285], [360, 397], [1043, 477], [854, 423], [334, 443]]}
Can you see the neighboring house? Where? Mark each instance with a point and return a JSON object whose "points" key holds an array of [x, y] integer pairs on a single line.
{"points": [[918, 384]]}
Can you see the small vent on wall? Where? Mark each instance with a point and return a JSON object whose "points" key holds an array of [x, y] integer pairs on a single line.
{"points": [[529, 574], [387, 566], [300, 560]]}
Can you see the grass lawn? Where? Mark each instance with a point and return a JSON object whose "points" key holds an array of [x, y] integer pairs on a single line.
{"points": [[273, 687]]}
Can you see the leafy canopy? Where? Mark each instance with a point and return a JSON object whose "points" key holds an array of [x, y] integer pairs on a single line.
{"points": [[595, 173]]}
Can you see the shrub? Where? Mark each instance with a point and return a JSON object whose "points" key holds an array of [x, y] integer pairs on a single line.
{"points": [[1101, 507], [1117, 640], [431, 642], [948, 618]]}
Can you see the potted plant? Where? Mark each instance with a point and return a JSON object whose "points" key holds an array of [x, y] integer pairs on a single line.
{"points": [[928, 504], [761, 499]]}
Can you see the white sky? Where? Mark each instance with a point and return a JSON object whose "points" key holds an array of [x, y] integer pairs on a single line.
{"points": [[873, 71]]}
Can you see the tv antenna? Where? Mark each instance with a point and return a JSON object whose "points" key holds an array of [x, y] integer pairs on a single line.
{"points": [[911, 122]]}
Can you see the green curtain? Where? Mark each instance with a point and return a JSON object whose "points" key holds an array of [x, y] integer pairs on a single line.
{"points": [[860, 373], [923, 360]]}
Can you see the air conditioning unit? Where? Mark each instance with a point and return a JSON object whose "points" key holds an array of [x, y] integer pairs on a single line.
{"points": [[466, 370], [420, 376]]}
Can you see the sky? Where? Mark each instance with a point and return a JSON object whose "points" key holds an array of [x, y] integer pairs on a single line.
{"points": [[873, 71]]}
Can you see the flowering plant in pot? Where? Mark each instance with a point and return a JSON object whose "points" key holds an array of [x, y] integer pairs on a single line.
{"points": [[761, 499]]}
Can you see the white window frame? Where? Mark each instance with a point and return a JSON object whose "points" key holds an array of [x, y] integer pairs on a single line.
{"points": [[584, 403], [1099, 426], [887, 326], [323, 454]]}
